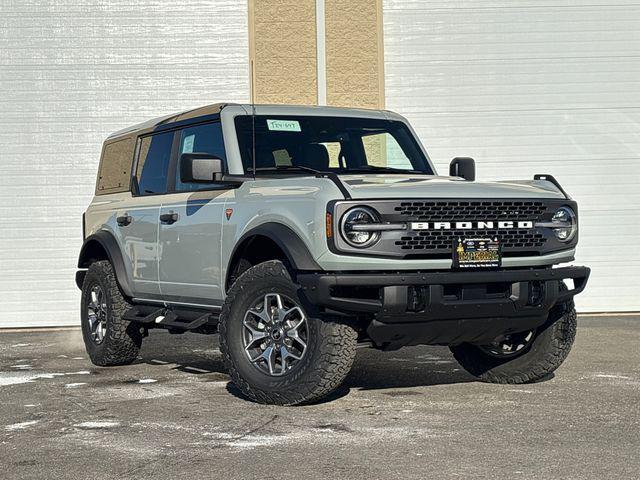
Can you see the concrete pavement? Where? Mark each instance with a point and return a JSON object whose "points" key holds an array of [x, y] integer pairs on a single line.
{"points": [[407, 414]]}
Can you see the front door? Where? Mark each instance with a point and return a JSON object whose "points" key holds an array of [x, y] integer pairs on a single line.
{"points": [[189, 247], [191, 227]]}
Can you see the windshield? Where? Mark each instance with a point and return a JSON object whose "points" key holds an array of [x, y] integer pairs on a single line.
{"points": [[306, 144]]}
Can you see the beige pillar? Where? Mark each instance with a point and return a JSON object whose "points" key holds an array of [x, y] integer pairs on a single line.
{"points": [[282, 49], [354, 50], [283, 52]]}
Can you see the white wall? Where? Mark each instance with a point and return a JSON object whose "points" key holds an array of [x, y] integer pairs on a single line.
{"points": [[71, 72], [530, 86]]}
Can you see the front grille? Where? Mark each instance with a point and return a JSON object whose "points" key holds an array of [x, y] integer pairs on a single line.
{"points": [[471, 210], [442, 219], [439, 242]]}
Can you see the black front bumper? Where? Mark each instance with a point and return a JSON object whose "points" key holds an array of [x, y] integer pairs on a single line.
{"points": [[443, 307]]}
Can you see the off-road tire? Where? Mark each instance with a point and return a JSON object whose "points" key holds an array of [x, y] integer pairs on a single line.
{"points": [[547, 351], [331, 346], [122, 339]]}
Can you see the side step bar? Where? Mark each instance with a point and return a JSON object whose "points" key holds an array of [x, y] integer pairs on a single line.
{"points": [[135, 314], [153, 317]]}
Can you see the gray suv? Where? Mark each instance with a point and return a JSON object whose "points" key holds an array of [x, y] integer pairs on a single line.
{"points": [[300, 233]]}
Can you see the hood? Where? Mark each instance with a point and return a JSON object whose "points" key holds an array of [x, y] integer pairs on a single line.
{"points": [[432, 186]]}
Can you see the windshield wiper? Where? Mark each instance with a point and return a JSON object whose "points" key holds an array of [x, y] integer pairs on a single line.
{"points": [[284, 168], [374, 168]]}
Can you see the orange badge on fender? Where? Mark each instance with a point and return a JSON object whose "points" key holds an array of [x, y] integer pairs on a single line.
{"points": [[228, 212]]}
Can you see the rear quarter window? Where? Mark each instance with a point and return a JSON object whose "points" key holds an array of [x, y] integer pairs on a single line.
{"points": [[114, 174]]}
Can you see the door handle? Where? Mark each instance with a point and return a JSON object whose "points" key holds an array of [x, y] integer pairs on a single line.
{"points": [[124, 220], [169, 218]]}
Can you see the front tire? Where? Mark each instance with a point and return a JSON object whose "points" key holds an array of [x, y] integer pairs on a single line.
{"points": [[275, 353], [538, 357], [108, 338]]}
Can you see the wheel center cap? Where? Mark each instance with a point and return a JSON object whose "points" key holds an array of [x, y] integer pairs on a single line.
{"points": [[277, 333]]}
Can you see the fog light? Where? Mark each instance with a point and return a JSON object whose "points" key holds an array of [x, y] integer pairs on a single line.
{"points": [[536, 291], [416, 299]]}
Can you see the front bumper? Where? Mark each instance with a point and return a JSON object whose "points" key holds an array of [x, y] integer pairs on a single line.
{"points": [[443, 307]]}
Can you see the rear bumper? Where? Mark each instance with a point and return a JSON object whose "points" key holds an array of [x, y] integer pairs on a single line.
{"points": [[443, 307]]}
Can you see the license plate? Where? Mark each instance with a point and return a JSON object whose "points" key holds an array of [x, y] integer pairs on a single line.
{"points": [[476, 253]]}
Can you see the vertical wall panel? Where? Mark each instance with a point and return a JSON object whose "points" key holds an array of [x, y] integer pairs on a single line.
{"points": [[531, 87], [283, 51], [355, 62], [71, 72]]}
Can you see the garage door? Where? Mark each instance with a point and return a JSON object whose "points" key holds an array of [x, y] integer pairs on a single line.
{"points": [[531, 87], [70, 73]]}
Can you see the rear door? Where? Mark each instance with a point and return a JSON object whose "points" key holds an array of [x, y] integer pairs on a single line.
{"points": [[138, 223], [189, 241]]}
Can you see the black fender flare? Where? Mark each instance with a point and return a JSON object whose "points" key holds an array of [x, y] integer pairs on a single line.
{"points": [[290, 243], [110, 245]]}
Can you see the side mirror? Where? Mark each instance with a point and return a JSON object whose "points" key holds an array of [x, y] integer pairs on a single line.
{"points": [[464, 167], [200, 168]]}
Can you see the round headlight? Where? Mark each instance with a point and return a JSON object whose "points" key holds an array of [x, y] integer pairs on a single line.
{"points": [[567, 224], [359, 217]]}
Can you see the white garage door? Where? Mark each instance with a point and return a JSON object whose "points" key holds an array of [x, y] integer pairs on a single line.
{"points": [[528, 86], [71, 72]]}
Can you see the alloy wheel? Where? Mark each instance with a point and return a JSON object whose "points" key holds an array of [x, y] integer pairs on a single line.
{"points": [[510, 344], [97, 314], [275, 334]]}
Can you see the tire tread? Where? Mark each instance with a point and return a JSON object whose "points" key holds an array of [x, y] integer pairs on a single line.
{"points": [[337, 348], [122, 341], [537, 363]]}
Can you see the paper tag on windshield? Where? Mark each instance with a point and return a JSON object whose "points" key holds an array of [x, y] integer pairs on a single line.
{"points": [[284, 125]]}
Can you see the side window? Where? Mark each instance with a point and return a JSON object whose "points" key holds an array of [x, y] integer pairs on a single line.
{"points": [[382, 150], [205, 138], [153, 163], [115, 167]]}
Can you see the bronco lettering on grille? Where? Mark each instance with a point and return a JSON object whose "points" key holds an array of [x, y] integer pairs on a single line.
{"points": [[502, 224]]}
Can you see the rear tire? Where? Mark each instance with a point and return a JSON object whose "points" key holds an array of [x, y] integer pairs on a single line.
{"points": [[108, 338], [541, 356], [319, 363]]}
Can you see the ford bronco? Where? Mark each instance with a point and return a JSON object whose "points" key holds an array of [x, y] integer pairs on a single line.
{"points": [[300, 233]]}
